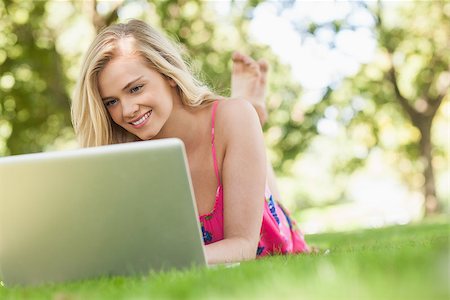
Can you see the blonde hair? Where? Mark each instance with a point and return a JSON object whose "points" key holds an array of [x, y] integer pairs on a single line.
{"points": [[91, 121]]}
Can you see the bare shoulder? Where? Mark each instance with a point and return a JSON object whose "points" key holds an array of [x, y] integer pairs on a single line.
{"points": [[235, 111], [237, 117]]}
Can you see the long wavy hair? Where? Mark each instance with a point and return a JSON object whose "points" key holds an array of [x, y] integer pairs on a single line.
{"points": [[91, 121]]}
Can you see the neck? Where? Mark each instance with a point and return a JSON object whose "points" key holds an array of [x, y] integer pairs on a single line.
{"points": [[183, 124]]}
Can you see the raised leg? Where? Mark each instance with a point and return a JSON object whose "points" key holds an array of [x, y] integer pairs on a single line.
{"points": [[249, 82]]}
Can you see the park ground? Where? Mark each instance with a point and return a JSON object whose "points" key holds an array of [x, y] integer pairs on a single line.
{"points": [[398, 262]]}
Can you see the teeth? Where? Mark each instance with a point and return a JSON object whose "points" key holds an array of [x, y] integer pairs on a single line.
{"points": [[144, 117]]}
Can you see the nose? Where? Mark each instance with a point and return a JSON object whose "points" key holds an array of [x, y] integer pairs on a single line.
{"points": [[129, 109]]}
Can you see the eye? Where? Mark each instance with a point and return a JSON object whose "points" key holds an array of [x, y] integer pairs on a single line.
{"points": [[110, 102], [136, 89]]}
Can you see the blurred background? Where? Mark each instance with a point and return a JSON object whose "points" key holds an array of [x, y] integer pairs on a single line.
{"points": [[358, 98]]}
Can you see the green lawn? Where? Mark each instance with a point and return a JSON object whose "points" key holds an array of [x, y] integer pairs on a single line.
{"points": [[401, 262]]}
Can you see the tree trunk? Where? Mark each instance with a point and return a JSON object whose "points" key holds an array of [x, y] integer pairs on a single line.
{"points": [[429, 187]]}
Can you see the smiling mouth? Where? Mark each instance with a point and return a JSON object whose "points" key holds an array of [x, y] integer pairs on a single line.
{"points": [[142, 120]]}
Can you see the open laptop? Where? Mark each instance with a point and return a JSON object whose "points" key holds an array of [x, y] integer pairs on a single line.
{"points": [[113, 210]]}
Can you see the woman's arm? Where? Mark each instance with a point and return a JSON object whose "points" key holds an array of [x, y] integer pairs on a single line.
{"points": [[243, 174]]}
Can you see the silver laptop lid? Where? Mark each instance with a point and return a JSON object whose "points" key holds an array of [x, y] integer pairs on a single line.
{"points": [[112, 210]]}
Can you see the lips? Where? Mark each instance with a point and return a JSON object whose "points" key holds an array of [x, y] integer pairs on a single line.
{"points": [[140, 121]]}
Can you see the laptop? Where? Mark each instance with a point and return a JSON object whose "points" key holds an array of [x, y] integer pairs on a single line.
{"points": [[122, 209]]}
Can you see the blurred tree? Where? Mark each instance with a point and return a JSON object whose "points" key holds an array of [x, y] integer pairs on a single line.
{"points": [[405, 85], [426, 48], [34, 106], [416, 75], [401, 90]]}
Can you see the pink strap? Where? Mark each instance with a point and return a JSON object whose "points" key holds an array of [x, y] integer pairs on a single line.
{"points": [[216, 168]]}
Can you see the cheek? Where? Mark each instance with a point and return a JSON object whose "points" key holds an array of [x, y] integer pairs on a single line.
{"points": [[115, 114]]}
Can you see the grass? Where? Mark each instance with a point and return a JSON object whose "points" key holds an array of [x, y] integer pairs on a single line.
{"points": [[401, 262]]}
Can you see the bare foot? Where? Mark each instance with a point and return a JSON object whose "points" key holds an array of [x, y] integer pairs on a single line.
{"points": [[248, 81]]}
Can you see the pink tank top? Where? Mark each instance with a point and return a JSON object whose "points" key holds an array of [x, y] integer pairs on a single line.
{"points": [[279, 233]]}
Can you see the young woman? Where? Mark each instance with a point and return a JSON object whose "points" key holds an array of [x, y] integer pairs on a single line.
{"points": [[134, 85]]}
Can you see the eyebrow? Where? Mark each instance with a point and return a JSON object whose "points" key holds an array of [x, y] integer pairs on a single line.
{"points": [[131, 82], [125, 87]]}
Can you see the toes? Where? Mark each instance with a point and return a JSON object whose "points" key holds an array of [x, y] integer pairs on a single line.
{"points": [[244, 64], [248, 60], [263, 65], [263, 68], [238, 62], [237, 56], [254, 68], [250, 64]]}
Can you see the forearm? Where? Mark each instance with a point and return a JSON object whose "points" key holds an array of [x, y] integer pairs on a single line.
{"points": [[230, 250]]}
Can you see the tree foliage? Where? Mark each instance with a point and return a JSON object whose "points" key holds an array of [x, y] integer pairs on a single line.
{"points": [[34, 106], [404, 87]]}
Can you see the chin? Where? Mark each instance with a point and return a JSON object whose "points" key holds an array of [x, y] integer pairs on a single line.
{"points": [[146, 137], [146, 134]]}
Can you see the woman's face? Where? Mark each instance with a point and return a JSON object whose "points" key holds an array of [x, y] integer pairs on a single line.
{"points": [[138, 98]]}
